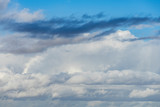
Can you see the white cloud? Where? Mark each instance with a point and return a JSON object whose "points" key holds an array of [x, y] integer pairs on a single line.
{"points": [[143, 93], [31, 62], [18, 85], [23, 15], [18, 15], [26, 16]]}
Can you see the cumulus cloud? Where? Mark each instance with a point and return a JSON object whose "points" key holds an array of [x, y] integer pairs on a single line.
{"points": [[107, 53], [25, 87], [17, 15], [106, 69]]}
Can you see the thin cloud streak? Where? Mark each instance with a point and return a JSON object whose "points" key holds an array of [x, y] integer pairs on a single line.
{"points": [[143, 38]]}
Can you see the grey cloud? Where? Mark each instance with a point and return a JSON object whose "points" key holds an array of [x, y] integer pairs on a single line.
{"points": [[57, 103], [4, 3], [116, 78], [36, 87], [143, 93], [23, 45], [42, 103]]}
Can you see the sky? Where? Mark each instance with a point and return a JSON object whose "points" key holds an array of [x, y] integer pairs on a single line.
{"points": [[79, 53]]}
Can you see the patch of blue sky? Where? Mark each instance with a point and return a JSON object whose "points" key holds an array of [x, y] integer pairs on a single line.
{"points": [[145, 32]]}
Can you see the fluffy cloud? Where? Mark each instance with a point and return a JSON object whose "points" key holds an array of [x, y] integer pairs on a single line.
{"points": [[17, 15], [26, 16], [14, 85]]}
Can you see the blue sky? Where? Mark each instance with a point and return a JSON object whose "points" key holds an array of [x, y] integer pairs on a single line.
{"points": [[111, 8], [79, 53]]}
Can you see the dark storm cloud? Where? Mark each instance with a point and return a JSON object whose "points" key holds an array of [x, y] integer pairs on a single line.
{"points": [[71, 27]]}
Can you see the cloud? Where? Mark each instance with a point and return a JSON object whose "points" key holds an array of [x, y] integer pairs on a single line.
{"points": [[97, 16], [25, 16], [126, 77], [31, 62], [141, 26], [143, 93], [106, 69], [67, 27], [94, 104], [73, 61], [114, 53], [57, 103], [19, 44], [15, 85], [73, 29], [8, 14], [4, 3], [143, 38]]}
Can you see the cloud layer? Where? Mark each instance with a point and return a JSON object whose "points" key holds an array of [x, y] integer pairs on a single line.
{"points": [[105, 70]]}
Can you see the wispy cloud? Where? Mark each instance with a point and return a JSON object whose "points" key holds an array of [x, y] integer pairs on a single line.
{"points": [[143, 38]]}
